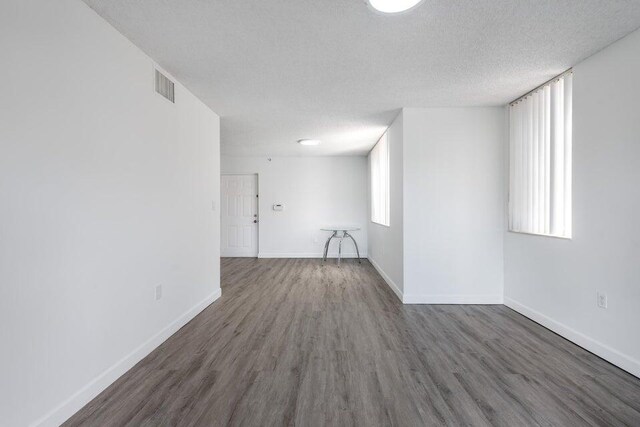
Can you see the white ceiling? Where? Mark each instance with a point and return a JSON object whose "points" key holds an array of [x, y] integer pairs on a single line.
{"points": [[280, 70]]}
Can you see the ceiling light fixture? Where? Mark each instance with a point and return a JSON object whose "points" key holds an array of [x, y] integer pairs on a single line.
{"points": [[308, 142], [393, 6]]}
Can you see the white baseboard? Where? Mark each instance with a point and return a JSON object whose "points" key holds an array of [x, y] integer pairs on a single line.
{"points": [[307, 255], [452, 299], [435, 299], [612, 355], [396, 290], [83, 396], [228, 255]]}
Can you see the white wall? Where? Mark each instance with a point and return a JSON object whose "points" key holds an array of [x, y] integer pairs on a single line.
{"points": [[316, 192], [385, 243], [106, 191], [453, 205], [555, 281]]}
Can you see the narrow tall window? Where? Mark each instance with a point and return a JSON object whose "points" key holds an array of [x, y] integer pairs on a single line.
{"points": [[540, 160], [379, 162]]}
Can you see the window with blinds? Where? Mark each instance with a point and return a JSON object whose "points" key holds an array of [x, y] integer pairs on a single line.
{"points": [[379, 166], [540, 160]]}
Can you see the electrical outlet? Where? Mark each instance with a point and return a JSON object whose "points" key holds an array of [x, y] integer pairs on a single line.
{"points": [[602, 299], [158, 292]]}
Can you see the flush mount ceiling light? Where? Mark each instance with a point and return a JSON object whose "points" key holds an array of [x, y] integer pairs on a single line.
{"points": [[308, 142], [393, 6]]}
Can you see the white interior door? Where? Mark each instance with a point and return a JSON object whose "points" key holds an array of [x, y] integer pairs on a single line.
{"points": [[239, 216]]}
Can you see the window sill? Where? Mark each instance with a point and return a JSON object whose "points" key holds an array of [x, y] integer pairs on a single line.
{"points": [[553, 236], [381, 224]]}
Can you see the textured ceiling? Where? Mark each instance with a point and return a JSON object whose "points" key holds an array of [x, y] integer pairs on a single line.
{"points": [[280, 70]]}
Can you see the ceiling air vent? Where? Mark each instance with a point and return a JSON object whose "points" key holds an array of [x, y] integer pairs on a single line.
{"points": [[164, 86]]}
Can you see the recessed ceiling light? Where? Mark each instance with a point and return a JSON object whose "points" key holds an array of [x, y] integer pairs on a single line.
{"points": [[393, 6], [309, 141]]}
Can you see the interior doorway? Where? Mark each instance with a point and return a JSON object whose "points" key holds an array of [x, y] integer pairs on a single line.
{"points": [[239, 216]]}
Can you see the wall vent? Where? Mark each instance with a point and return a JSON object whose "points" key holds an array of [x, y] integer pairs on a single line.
{"points": [[164, 87]]}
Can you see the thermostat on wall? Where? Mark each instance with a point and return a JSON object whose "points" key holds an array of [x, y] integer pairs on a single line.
{"points": [[278, 207]]}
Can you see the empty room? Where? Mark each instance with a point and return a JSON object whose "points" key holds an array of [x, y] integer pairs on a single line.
{"points": [[319, 213]]}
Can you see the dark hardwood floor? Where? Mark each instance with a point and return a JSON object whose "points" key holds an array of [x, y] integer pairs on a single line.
{"points": [[293, 342]]}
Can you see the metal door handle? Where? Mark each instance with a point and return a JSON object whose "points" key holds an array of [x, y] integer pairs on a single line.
{"points": [[255, 221]]}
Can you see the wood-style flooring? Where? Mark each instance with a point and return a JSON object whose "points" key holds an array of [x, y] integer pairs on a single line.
{"points": [[292, 342]]}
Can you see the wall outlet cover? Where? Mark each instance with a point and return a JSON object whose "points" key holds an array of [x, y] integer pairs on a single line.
{"points": [[602, 299]]}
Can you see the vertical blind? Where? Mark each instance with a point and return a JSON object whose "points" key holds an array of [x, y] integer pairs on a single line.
{"points": [[540, 160], [379, 164]]}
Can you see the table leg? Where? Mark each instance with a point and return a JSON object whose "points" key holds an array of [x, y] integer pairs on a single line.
{"points": [[354, 242], [340, 250], [326, 246]]}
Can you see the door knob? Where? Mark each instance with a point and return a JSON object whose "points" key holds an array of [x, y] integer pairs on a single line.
{"points": [[255, 221]]}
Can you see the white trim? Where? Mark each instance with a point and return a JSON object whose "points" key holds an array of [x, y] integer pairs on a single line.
{"points": [[307, 255], [76, 401], [452, 299], [612, 355], [396, 290], [238, 255]]}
